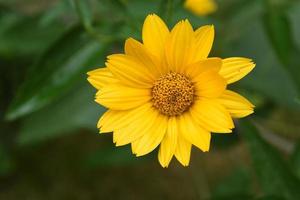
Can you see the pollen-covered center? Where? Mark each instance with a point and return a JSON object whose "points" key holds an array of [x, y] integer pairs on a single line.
{"points": [[172, 94]]}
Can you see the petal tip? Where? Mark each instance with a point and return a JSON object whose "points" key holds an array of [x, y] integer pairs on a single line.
{"points": [[129, 39], [152, 16], [185, 164], [163, 164]]}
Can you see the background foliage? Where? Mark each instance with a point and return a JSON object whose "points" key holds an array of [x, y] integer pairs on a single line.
{"points": [[49, 146]]}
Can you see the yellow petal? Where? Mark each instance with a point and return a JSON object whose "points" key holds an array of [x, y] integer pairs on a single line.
{"points": [[130, 71], [237, 105], [209, 84], [101, 77], [201, 7], [136, 49], [183, 150], [141, 125], [195, 69], [152, 138], [108, 119], [203, 42], [154, 36], [193, 133], [169, 143], [212, 116], [179, 46], [235, 68], [116, 119], [119, 97]]}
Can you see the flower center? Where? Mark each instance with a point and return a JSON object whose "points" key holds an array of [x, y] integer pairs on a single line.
{"points": [[172, 94]]}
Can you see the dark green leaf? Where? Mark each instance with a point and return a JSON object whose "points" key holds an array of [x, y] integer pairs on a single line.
{"points": [[223, 142], [76, 110], [61, 9], [234, 197], [25, 36], [296, 160], [294, 16], [6, 163], [57, 70], [279, 32], [84, 12], [237, 184], [272, 172], [269, 76], [111, 156], [270, 198]]}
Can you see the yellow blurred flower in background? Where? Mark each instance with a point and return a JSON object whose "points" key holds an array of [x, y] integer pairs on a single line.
{"points": [[165, 91], [201, 7]]}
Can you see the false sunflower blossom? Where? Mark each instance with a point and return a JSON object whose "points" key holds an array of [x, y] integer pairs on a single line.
{"points": [[166, 92], [201, 7]]}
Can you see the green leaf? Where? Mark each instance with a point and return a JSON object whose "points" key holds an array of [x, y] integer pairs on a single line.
{"points": [[84, 12], [279, 31], [294, 16], [112, 156], [17, 37], [248, 197], [296, 160], [234, 197], [269, 76], [272, 172], [6, 163], [59, 10], [56, 72], [237, 184], [75, 110], [271, 198], [222, 142]]}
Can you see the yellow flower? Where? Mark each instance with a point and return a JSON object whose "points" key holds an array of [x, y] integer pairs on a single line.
{"points": [[165, 91], [201, 7]]}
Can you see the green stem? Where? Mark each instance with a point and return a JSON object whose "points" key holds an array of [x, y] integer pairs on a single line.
{"points": [[169, 10]]}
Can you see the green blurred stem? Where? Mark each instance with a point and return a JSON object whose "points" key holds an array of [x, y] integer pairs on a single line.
{"points": [[169, 10], [129, 19], [102, 38], [279, 31], [84, 12], [85, 16]]}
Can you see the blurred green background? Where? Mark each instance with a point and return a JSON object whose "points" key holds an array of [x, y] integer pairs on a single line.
{"points": [[50, 147]]}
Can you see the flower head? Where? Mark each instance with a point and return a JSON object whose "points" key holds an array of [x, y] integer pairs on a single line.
{"points": [[166, 92], [201, 7]]}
